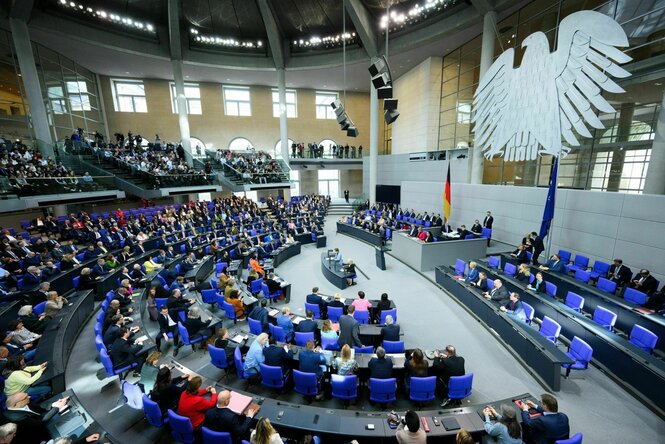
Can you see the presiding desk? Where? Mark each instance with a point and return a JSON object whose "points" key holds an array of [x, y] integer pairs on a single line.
{"points": [[334, 272], [423, 256], [541, 355], [627, 316], [58, 339], [641, 372], [360, 234]]}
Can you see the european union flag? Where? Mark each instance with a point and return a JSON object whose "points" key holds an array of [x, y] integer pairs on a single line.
{"points": [[548, 214]]}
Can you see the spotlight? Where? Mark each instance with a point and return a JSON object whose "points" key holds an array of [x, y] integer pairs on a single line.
{"points": [[390, 115]]}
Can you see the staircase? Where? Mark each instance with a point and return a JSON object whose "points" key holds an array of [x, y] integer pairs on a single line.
{"points": [[340, 209]]}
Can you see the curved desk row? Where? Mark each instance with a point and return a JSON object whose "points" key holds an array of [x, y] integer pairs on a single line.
{"points": [[334, 272], [636, 368], [287, 252], [627, 316], [426, 256], [58, 339], [360, 234], [541, 355]]}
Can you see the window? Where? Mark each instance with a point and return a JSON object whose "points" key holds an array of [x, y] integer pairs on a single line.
{"points": [[291, 104], [323, 108], [57, 100], [464, 113], [192, 98], [79, 99], [278, 148], [329, 183], [129, 96], [240, 144], [294, 176], [236, 101], [327, 147]]}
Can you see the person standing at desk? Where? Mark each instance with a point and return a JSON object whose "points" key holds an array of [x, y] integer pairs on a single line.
{"points": [[538, 247], [338, 259], [349, 329], [488, 221]]}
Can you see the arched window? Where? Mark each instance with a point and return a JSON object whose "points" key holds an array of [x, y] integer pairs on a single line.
{"points": [[198, 147], [278, 148], [327, 143], [240, 144]]}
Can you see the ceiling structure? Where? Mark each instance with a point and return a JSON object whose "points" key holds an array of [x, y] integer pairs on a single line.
{"points": [[229, 40]]}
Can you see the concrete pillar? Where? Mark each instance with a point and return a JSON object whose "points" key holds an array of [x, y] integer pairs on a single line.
{"points": [[283, 125], [486, 59], [33, 90], [654, 182], [373, 142], [183, 118], [619, 155]]}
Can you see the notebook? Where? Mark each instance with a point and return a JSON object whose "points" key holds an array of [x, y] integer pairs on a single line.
{"points": [[273, 313], [239, 403], [450, 423], [238, 338], [141, 339]]}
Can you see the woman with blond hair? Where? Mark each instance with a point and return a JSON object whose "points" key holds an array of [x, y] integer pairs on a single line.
{"points": [[344, 363], [149, 371], [472, 276], [265, 433], [327, 331], [523, 273]]}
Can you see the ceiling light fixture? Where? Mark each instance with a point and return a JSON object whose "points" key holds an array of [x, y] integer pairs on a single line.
{"points": [[330, 41], [229, 42], [398, 20], [91, 12]]}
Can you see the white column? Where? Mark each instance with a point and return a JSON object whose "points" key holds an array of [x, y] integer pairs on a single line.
{"points": [[655, 180], [486, 58], [283, 125], [373, 142], [26, 61], [183, 118]]}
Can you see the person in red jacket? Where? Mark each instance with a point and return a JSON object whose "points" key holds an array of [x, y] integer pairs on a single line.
{"points": [[193, 405]]}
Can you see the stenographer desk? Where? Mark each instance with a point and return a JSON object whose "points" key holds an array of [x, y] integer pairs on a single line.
{"points": [[58, 339], [360, 234], [334, 272], [627, 316], [637, 369], [423, 256], [541, 355]]}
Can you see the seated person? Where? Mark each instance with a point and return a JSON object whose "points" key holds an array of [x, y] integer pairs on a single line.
{"points": [[429, 237], [539, 285], [30, 419], [260, 313], [415, 364], [514, 308], [327, 331], [222, 341], [619, 273], [463, 232], [254, 357], [238, 306], [222, 419], [100, 269], [312, 361], [33, 322], [315, 298], [273, 285], [350, 268], [192, 403], [520, 255], [380, 367], [284, 321], [20, 335], [253, 275], [151, 266], [390, 332], [167, 390], [523, 273], [308, 325], [20, 378], [278, 356], [499, 293], [344, 363], [506, 429], [554, 264], [481, 282], [644, 282], [472, 276], [338, 302], [196, 328], [551, 426], [123, 352]]}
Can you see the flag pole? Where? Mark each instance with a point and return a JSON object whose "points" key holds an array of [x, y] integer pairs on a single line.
{"points": [[556, 188]]}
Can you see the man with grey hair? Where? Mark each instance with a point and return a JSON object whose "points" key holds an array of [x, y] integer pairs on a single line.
{"points": [[196, 328], [7, 432], [380, 367], [32, 278], [390, 332]]}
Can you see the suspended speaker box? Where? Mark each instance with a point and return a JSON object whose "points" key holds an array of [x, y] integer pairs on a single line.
{"points": [[378, 66], [385, 92], [390, 116]]}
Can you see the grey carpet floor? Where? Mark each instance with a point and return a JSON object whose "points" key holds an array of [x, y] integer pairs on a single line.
{"points": [[430, 319]]}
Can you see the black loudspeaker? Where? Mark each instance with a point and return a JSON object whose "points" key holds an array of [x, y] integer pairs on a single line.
{"points": [[390, 104], [378, 66], [385, 92], [390, 116], [381, 80], [352, 131], [346, 124]]}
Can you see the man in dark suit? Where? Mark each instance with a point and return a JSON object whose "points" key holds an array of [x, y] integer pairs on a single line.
{"points": [[413, 231], [337, 302], [644, 282], [538, 247], [445, 366], [32, 278], [550, 426], [520, 255], [123, 353], [619, 273], [380, 367], [498, 293], [315, 298], [390, 332], [476, 228], [554, 264], [278, 356], [488, 221], [99, 269], [222, 419], [30, 419], [446, 228], [349, 330], [176, 303], [167, 325], [260, 313], [309, 325]]}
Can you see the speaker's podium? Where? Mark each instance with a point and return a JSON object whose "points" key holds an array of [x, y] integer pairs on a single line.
{"points": [[320, 241], [380, 258]]}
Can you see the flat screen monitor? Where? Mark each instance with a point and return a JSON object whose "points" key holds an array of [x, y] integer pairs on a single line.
{"points": [[388, 194]]}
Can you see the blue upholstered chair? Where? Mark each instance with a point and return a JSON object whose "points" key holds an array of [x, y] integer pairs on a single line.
{"points": [[393, 346], [305, 383], [604, 317], [575, 301], [334, 313], [459, 387], [255, 326], [528, 312], [181, 428], [550, 329], [600, 268], [392, 312], [422, 389], [494, 262], [212, 437], [344, 387], [302, 338], [362, 316], [152, 412], [580, 352], [382, 390], [643, 338], [273, 377], [635, 296], [606, 285], [315, 309]]}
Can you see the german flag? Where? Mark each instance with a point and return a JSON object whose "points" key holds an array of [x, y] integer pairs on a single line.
{"points": [[446, 197]]}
